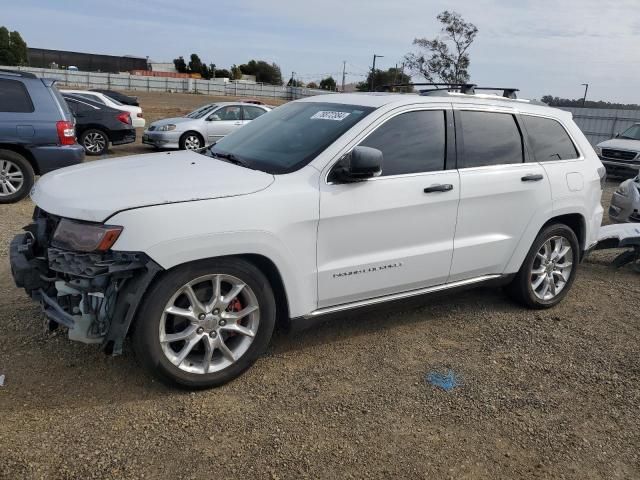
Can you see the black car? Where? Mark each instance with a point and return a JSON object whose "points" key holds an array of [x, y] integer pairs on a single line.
{"points": [[98, 125], [121, 97]]}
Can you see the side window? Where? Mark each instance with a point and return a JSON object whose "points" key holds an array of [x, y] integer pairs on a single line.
{"points": [[229, 113], [73, 105], [549, 140], [14, 97], [91, 97], [412, 142], [490, 139], [251, 113]]}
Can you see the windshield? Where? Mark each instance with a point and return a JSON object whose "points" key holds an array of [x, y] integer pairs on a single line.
{"points": [[290, 136], [201, 111], [632, 133]]}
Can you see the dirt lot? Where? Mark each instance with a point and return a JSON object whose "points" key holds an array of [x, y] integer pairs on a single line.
{"points": [[545, 394]]}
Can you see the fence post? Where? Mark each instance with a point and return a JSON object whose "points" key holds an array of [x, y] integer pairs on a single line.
{"points": [[129, 81], [148, 83]]}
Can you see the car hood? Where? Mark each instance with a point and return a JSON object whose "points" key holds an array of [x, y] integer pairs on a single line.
{"points": [[174, 120], [94, 191], [621, 143]]}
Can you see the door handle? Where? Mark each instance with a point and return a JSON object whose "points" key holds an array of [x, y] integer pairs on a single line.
{"points": [[532, 178], [447, 187]]}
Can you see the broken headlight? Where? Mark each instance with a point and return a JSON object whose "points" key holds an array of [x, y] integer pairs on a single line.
{"points": [[85, 237]]}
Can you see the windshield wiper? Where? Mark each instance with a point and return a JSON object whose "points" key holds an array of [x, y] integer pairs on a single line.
{"points": [[231, 158]]}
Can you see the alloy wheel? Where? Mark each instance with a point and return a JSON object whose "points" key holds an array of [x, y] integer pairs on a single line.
{"points": [[192, 142], [11, 178], [552, 267], [94, 142], [209, 323]]}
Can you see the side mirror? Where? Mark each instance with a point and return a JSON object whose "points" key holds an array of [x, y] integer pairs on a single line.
{"points": [[617, 135], [362, 163], [214, 118]]}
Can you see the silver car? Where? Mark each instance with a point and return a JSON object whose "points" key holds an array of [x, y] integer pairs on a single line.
{"points": [[203, 126], [625, 202], [621, 155]]}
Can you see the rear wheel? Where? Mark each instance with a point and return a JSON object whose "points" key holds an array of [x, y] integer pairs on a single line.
{"points": [[16, 176], [191, 141], [549, 269], [94, 141], [204, 324]]}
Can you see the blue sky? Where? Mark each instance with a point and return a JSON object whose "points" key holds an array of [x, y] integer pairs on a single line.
{"points": [[540, 46]]}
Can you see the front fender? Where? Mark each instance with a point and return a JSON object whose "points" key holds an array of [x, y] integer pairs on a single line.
{"points": [[272, 225]]}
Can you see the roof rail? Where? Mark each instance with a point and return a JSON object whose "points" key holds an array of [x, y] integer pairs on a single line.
{"points": [[17, 73], [462, 88]]}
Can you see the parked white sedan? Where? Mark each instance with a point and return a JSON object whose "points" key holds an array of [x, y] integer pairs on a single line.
{"points": [[203, 126], [137, 120]]}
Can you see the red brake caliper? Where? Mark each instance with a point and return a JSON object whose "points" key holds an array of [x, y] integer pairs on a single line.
{"points": [[234, 306]]}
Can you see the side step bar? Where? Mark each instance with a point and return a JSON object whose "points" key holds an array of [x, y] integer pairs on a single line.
{"points": [[399, 296]]}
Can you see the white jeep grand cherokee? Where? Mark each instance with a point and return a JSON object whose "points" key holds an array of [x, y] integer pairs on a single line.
{"points": [[322, 205]]}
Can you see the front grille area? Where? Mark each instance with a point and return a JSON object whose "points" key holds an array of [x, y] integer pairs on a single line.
{"points": [[618, 154]]}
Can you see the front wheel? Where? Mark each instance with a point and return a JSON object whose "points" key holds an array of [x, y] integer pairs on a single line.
{"points": [[549, 269], [191, 141], [205, 323]]}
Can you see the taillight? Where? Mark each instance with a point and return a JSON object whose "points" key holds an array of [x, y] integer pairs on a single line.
{"points": [[139, 115], [66, 132], [124, 117]]}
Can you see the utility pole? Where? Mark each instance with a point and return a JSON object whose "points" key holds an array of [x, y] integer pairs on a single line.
{"points": [[293, 74], [586, 88], [344, 70], [373, 71]]}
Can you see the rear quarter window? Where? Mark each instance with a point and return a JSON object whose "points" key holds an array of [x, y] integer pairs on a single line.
{"points": [[14, 97], [549, 140]]}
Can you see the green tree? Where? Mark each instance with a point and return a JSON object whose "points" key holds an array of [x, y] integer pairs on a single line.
{"points": [[446, 58], [18, 48], [6, 56], [180, 64], [195, 64], [312, 85], [328, 83], [223, 73], [236, 73], [13, 49], [263, 71], [386, 78]]}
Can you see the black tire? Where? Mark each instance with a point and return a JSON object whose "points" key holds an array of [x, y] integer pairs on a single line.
{"points": [[13, 163], [146, 341], [94, 141], [521, 289], [188, 135]]}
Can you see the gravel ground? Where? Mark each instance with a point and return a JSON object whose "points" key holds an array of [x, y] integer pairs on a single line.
{"points": [[544, 394]]}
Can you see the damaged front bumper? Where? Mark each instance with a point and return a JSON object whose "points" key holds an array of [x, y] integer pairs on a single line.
{"points": [[94, 295]]}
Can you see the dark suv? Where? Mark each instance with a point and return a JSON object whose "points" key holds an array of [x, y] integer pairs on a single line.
{"points": [[37, 133]]}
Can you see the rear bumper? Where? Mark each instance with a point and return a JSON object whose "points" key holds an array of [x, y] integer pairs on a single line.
{"points": [[120, 137], [52, 157]]}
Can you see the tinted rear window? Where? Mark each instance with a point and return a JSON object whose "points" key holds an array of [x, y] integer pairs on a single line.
{"points": [[14, 97], [490, 139], [549, 140]]}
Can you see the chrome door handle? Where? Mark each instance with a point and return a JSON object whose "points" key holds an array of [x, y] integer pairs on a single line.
{"points": [[532, 178], [447, 187]]}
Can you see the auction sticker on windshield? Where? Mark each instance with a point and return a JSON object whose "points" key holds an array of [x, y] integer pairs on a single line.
{"points": [[328, 115]]}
